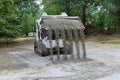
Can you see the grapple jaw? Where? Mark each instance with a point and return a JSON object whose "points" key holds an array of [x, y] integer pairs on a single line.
{"points": [[69, 29]]}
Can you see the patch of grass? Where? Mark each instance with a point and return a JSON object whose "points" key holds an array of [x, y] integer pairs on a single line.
{"points": [[114, 42], [2, 40], [8, 40], [5, 40], [103, 39]]}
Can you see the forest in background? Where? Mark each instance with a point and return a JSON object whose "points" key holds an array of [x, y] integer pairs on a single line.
{"points": [[17, 17], [98, 16]]}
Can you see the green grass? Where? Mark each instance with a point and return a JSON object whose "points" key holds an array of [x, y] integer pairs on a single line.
{"points": [[110, 40], [115, 42], [104, 39], [5, 40], [2, 40]]}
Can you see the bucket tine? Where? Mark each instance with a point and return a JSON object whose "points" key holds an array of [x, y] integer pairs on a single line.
{"points": [[62, 30], [69, 36], [71, 42], [79, 36], [83, 43], [50, 42], [57, 42], [64, 43], [77, 42]]}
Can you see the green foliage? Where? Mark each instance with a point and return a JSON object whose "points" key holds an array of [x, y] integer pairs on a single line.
{"points": [[27, 10], [103, 14], [114, 12], [7, 19], [57, 8], [7, 40], [17, 17]]}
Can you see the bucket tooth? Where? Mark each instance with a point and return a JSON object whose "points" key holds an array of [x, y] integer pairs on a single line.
{"points": [[57, 42], [77, 42], [62, 36], [50, 42], [71, 42], [83, 43], [64, 43]]}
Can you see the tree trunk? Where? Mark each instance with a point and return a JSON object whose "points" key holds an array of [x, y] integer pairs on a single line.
{"points": [[67, 2], [118, 27], [26, 27], [84, 12]]}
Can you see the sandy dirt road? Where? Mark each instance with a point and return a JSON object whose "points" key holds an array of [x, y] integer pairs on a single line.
{"points": [[19, 62]]}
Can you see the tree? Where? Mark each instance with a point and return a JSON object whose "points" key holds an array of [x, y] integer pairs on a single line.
{"points": [[71, 7], [27, 10], [114, 10], [8, 20]]}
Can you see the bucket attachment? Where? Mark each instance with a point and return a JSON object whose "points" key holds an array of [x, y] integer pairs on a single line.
{"points": [[64, 36]]}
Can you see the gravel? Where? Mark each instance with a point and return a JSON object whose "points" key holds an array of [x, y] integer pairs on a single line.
{"points": [[22, 64]]}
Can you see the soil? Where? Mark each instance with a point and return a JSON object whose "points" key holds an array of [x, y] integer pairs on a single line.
{"points": [[19, 62]]}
